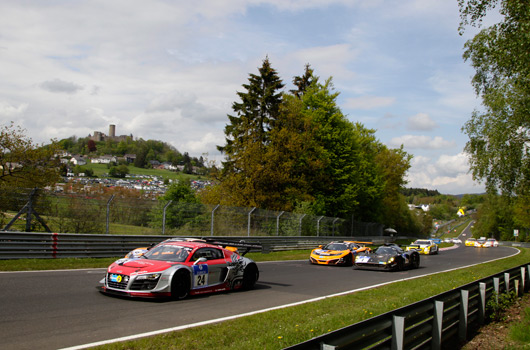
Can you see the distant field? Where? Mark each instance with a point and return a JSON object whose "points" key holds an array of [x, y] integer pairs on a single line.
{"points": [[101, 169]]}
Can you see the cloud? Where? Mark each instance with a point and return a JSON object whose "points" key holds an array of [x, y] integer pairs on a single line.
{"points": [[9, 111], [421, 122], [421, 142], [369, 102], [60, 86]]}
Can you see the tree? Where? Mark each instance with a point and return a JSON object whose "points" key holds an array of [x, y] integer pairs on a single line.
{"points": [[119, 171], [499, 136], [91, 146], [25, 164]]}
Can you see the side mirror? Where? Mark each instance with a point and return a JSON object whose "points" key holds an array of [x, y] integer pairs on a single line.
{"points": [[200, 260]]}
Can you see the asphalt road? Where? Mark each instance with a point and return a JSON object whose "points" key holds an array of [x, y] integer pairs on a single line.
{"points": [[57, 309]]}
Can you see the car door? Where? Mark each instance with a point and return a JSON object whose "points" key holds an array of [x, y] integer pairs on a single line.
{"points": [[210, 272]]}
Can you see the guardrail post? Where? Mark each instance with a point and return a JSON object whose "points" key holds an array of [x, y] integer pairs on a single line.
{"points": [[464, 306], [211, 226], [482, 303], [507, 282], [523, 279], [517, 287], [108, 212], [398, 332], [496, 283], [528, 275], [437, 320]]}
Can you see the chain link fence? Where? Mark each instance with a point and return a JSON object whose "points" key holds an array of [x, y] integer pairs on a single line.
{"points": [[40, 211]]}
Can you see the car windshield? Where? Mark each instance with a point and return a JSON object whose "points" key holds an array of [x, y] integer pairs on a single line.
{"points": [[336, 246], [423, 242], [387, 250], [168, 252]]}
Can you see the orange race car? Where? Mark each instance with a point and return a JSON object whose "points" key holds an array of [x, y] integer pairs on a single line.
{"points": [[338, 253]]}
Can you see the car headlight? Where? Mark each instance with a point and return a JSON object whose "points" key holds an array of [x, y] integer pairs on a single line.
{"points": [[151, 276], [391, 260]]}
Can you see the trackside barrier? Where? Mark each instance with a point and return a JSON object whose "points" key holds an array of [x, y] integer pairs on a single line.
{"points": [[22, 245], [441, 322]]}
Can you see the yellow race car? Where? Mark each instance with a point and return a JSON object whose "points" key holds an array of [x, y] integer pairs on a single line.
{"points": [[470, 242], [424, 246], [338, 253]]}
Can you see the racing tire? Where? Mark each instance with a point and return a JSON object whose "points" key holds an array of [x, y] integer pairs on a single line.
{"points": [[415, 263], [180, 284], [250, 276], [400, 265], [348, 261]]}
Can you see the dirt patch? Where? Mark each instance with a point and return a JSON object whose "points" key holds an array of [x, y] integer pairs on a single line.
{"points": [[495, 335]]}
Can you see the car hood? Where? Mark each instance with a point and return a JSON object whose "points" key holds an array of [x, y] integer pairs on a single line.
{"points": [[328, 252], [138, 266]]}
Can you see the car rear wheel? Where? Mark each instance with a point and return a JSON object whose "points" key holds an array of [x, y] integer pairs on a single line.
{"points": [[415, 261], [250, 276], [180, 284]]}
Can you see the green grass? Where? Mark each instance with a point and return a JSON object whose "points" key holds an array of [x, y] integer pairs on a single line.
{"points": [[83, 263], [281, 328], [520, 332]]}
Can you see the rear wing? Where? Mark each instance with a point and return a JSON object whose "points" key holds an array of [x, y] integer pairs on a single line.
{"points": [[245, 247]]}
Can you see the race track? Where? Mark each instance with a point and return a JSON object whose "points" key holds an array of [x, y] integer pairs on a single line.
{"points": [[58, 309]]}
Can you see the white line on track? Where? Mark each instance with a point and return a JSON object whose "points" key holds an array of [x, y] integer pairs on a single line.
{"points": [[222, 319]]}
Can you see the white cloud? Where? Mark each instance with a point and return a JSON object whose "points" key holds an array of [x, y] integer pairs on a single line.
{"points": [[9, 111], [421, 121], [421, 142]]}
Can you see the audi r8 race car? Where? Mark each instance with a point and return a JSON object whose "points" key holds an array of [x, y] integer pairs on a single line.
{"points": [[338, 253], [388, 257], [470, 242], [423, 246], [178, 268]]}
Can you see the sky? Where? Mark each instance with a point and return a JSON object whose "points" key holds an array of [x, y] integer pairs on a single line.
{"points": [[170, 70]]}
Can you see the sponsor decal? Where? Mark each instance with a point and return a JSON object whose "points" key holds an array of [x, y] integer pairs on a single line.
{"points": [[200, 275]]}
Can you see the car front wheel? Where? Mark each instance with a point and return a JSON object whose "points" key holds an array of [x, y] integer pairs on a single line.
{"points": [[180, 284]]}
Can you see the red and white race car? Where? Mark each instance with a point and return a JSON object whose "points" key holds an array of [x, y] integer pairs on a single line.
{"points": [[177, 268]]}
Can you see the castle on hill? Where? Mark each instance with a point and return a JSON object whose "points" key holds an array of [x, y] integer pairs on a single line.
{"points": [[99, 136]]}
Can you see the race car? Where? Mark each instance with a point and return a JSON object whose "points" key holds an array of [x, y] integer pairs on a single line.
{"points": [[423, 246], [482, 243], [178, 268], [388, 257], [470, 242], [337, 253], [492, 242]]}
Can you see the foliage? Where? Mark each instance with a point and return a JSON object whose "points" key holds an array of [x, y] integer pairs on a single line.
{"points": [[119, 171], [497, 304], [499, 136], [24, 164]]}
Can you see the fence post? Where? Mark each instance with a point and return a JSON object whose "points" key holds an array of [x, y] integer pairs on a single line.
{"points": [[278, 223], [300, 227], [164, 217], [507, 282], [211, 226], [318, 226], [108, 212], [464, 306], [437, 325], [398, 332], [333, 224], [482, 303], [249, 213]]}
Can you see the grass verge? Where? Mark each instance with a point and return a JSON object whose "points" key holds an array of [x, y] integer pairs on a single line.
{"points": [[281, 328]]}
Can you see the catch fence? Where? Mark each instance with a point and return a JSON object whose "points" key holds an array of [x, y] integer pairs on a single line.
{"points": [[120, 213]]}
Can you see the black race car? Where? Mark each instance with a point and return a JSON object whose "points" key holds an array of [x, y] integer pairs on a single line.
{"points": [[388, 257]]}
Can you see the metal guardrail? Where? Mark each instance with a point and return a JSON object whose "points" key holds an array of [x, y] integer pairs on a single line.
{"points": [[440, 322], [21, 245]]}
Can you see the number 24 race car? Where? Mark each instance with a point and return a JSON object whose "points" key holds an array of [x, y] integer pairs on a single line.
{"points": [[388, 257], [178, 268]]}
